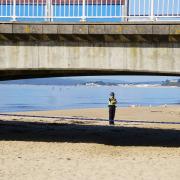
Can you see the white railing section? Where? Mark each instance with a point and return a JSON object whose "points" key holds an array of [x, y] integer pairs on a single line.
{"points": [[121, 10]]}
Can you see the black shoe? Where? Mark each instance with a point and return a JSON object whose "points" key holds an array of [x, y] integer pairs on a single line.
{"points": [[111, 123]]}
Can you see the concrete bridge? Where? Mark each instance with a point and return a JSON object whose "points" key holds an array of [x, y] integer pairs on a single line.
{"points": [[29, 50]]}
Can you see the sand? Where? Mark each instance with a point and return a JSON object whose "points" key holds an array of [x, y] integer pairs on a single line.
{"points": [[79, 144]]}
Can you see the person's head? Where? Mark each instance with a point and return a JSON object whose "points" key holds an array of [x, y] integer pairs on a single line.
{"points": [[112, 94]]}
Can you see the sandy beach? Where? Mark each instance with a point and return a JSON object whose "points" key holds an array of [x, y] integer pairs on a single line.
{"points": [[79, 144]]}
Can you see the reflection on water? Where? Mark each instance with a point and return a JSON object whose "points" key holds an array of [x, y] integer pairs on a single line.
{"points": [[32, 97]]}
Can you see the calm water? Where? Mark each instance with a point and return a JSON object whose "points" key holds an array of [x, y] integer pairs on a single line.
{"points": [[15, 98]]}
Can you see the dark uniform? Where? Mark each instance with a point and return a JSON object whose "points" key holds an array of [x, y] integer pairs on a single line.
{"points": [[112, 108]]}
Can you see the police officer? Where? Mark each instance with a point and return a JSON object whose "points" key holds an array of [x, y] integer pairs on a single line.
{"points": [[112, 108]]}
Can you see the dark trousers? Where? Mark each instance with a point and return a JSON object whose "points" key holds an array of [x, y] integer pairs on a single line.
{"points": [[112, 110]]}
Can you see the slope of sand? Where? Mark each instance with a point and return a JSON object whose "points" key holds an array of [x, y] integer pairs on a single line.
{"points": [[76, 144]]}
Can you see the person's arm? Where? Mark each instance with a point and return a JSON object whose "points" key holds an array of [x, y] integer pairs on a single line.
{"points": [[109, 101], [115, 101]]}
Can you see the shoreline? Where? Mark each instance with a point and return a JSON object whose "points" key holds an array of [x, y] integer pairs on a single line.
{"points": [[160, 114], [89, 108]]}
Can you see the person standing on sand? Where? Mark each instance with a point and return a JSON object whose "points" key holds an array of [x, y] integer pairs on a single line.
{"points": [[112, 108]]}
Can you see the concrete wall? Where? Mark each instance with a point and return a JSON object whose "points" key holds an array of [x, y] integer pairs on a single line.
{"points": [[134, 28], [41, 57], [137, 57]]}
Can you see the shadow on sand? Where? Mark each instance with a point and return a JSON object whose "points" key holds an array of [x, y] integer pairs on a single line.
{"points": [[83, 133]]}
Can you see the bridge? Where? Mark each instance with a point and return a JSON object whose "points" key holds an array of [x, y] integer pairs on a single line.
{"points": [[47, 47]]}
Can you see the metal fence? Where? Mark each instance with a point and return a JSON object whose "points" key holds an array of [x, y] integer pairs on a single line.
{"points": [[71, 10]]}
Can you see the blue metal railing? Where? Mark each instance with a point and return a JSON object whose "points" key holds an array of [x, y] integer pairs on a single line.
{"points": [[92, 10]]}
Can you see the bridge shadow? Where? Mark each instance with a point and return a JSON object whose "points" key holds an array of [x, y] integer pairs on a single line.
{"points": [[80, 132]]}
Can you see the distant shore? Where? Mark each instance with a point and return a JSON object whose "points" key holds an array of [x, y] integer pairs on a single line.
{"points": [[100, 85]]}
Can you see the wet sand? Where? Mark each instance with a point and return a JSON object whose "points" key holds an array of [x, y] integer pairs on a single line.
{"points": [[79, 144]]}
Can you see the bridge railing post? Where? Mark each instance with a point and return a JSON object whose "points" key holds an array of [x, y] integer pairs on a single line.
{"points": [[48, 10], [83, 18], [125, 10], [14, 11], [152, 10]]}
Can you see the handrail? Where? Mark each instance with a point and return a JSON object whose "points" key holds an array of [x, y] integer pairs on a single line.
{"points": [[73, 10]]}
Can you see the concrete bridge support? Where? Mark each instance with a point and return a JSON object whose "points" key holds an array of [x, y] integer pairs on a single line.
{"points": [[35, 50]]}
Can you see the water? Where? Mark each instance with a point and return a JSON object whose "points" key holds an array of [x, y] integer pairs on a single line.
{"points": [[14, 98]]}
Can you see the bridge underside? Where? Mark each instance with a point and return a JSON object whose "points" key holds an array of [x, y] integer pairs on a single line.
{"points": [[32, 73], [148, 49]]}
